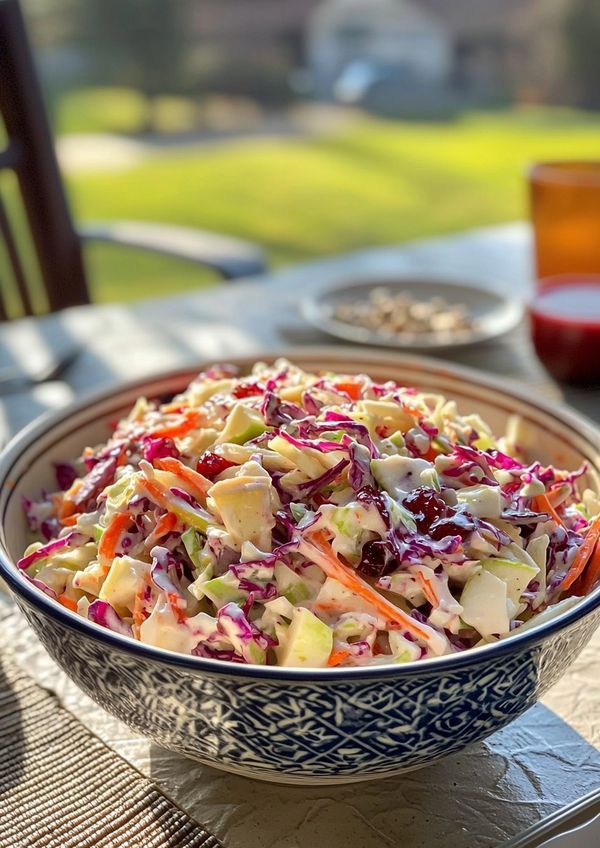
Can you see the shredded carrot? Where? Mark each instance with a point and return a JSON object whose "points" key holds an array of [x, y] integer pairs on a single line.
{"points": [[69, 603], [327, 606], [542, 503], [185, 513], [70, 520], [431, 453], [67, 506], [109, 540], [174, 406], [428, 589], [139, 612], [188, 420], [174, 602], [350, 387], [591, 574], [319, 550], [583, 554], [165, 524], [412, 410], [195, 481], [337, 656], [155, 493]]}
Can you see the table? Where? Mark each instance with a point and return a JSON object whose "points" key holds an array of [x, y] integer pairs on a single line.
{"points": [[548, 757]]}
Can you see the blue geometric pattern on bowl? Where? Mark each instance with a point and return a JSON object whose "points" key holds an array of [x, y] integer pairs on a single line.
{"points": [[323, 731]]}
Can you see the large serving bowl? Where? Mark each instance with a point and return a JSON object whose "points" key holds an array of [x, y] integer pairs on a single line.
{"points": [[302, 725]]}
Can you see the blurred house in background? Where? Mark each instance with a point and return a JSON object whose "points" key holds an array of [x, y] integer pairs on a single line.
{"points": [[505, 50], [399, 58], [249, 48], [409, 57], [371, 39]]}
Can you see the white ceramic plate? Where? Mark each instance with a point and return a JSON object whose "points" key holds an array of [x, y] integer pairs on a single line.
{"points": [[492, 314]]}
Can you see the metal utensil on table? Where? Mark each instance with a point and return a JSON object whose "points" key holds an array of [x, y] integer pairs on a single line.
{"points": [[575, 826], [13, 379]]}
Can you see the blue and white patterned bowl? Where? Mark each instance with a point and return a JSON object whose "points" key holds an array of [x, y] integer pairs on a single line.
{"points": [[294, 725]]}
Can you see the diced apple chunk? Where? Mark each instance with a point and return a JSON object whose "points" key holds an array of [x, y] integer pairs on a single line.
{"points": [[245, 506], [484, 603], [517, 575], [123, 582], [307, 643], [482, 501]]}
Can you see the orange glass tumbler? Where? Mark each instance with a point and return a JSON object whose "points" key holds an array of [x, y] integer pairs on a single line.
{"points": [[565, 211]]}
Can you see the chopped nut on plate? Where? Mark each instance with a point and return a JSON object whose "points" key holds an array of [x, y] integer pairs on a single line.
{"points": [[402, 314]]}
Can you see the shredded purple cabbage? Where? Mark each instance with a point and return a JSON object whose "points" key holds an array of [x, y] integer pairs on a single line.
{"points": [[245, 631], [260, 591], [524, 516], [311, 404], [359, 474], [101, 612], [164, 565], [318, 445], [65, 475], [39, 584], [311, 486], [501, 460], [185, 496], [248, 568], [277, 412], [71, 540], [472, 466], [158, 448]]}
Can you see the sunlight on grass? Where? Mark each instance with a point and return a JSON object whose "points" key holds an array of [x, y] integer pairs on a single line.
{"points": [[99, 110], [120, 110], [378, 182]]}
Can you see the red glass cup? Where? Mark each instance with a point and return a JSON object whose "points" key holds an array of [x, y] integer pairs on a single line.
{"points": [[565, 326], [565, 311]]}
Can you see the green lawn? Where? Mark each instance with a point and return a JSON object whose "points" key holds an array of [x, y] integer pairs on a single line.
{"points": [[118, 110], [377, 183]]}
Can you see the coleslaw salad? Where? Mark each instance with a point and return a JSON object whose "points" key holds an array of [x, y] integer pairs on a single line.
{"points": [[303, 520]]}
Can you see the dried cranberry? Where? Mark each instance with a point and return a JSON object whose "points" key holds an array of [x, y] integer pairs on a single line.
{"points": [[377, 559], [457, 524], [244, 390], [211, 464], [426, 506]]}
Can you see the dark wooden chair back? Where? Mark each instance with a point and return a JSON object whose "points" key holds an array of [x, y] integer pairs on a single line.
{"points": [[29, 152]]}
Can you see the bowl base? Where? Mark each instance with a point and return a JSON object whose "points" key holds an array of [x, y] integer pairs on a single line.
{"points": [[302, 780]]}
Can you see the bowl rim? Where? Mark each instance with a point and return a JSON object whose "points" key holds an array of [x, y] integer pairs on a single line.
{"points": [[529, 638]]}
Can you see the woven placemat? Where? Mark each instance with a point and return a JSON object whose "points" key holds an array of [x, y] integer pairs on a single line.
{"points": [[61, 787]]}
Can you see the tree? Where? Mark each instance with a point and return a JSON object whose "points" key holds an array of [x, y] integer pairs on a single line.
{"points": [[582, 43], [139, 43]]}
